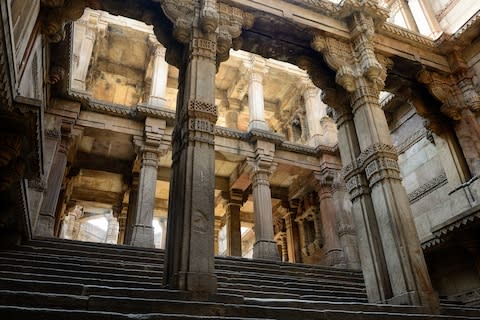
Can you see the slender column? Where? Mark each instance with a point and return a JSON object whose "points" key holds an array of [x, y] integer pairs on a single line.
{"points": [[231, 119], [284, 247], [112, 230], [346, 228], [132, 209], [315, 109], [46, 219], [405, 262], [158, 92], [331, 241], [301, 236], [257, 68], [262, 166], [233, 224], [368, 234], [122, 224], [189, 261], [290, 237], [216, 232], [143, 233], [86, 31]]}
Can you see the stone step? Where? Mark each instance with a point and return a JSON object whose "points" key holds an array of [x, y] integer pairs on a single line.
{"points": [[95, 246], [81, 274], [459, 311], [46, 257], [248, 277], [292, 290], [291, 283], [89, 254], [80, 280], [22, 313], [265, 309], [286, 272], [285, 266], [286, 296], [98, 268]]}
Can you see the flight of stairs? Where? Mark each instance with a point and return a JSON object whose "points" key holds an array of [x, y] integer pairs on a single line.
{"points": [[59, 279]]}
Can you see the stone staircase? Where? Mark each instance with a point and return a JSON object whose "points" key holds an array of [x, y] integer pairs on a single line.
{"points": [[58, 279]]}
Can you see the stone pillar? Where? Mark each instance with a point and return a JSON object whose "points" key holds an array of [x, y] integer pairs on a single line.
{"points": [[315, 109], [122, 224], [233, 223], [290, 237], [158, 91], [345, 225], [149, 152], [216, 231], [163, 225], [408, 281], [257, 68], [281, 239], [132, 209], [46, 218], [331, 241], [112, 231], [231, 118], [86, 31], [189, 263], [262, 166], [302, 236]]}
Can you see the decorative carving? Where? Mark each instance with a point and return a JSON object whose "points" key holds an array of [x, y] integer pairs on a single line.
{"points": [[202, 110], [55, 75], [427, 188], [181, 13], [411, 140]]}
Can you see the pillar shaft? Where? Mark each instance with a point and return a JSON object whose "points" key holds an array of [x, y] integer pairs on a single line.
{"points": [[234, 234], [290, 237], [331, 241], [143, 233], [46, 219], [257, 69], [189, 261], [314, 109], [132, 210], [265, 246], [407, 270], [159, 78], [368, 234]]}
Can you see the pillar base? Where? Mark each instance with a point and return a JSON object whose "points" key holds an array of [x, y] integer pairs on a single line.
{"points": [[334, 258], [197, 282], [45, 225], [258, 125], [265, 249], [142, 236]]}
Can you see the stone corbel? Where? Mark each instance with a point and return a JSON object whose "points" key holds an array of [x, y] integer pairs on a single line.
{"points": [[445, 90], [231, 22], [181, 13], [56, 13]]}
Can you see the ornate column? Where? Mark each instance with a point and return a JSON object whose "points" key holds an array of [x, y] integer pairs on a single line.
{"points": [[315, 109], [261, 168], [206, 38], [345, 224], [360, 72], [290, 236], [86, 31], [331, 241], [122, 224], [46, 218], [149, 148], [158, 92], [112, 230], [132, 209], [256, 68], [233, 223]]}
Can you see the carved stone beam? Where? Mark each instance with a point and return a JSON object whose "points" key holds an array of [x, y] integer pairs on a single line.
{"points": [[181, 13]]}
